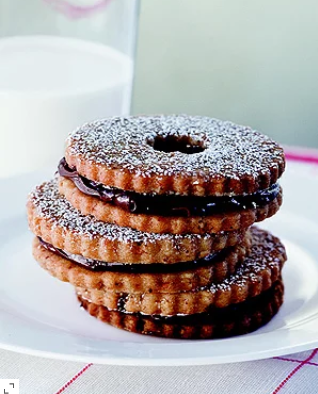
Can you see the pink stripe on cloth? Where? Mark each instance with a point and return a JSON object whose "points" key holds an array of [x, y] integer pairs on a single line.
{"points": [[304, 158], [74, 378], [295, 361], [304, 155], [294, 371]]}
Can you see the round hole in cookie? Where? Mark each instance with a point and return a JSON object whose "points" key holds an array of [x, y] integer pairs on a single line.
{"points": [[173, 143]]}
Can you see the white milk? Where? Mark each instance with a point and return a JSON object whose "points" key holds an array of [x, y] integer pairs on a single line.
{"points": [[48, 87]]}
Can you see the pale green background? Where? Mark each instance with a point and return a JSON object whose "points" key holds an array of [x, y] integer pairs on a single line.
{"points": [[254, 62], [250, 61]]}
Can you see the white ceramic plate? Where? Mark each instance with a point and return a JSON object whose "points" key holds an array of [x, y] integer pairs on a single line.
{"points": [[40, 315]]}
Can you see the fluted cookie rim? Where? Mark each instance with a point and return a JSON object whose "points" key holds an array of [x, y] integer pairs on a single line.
{"points": [[233, 221], [52, 218], [257, 273], [136, 323], [108, 151], [68, 271]]}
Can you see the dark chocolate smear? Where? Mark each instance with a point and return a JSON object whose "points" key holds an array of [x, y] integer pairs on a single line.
{"points": [[100, 266], [167, 205], [231, 312]]}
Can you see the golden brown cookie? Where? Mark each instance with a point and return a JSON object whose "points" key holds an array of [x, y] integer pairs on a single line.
{"points": [[256, 274], [134, 278], [225, 221], [58, 223], [234, 320], [184, 155]]}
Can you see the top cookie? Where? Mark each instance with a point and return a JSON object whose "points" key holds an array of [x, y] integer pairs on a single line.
{"points": [[185, 155]]}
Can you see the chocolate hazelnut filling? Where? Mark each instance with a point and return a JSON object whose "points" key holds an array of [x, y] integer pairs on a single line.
{"points": [[167, 205], [101, 266], [231, 313]]}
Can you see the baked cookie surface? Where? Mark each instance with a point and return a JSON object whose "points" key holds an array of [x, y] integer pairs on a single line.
{"points": [[58, 223], [155, 294], [233, 218], [186, 155], [140, 278], [172, 174], [238, 320]]}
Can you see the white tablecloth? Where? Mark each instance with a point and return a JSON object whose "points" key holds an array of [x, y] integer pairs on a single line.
{"points": [[293, 374]]}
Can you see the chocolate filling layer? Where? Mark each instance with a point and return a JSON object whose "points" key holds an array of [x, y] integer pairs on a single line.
{"points": [[167, 205], [232, 312], [213, 314], [100, 266]]}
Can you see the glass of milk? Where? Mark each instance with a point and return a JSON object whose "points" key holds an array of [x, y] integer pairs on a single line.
{"points": [[62, 63]]}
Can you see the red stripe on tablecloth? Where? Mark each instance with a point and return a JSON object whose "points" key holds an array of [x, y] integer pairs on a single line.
{"points": [[294, 361], [294, 371], [310, 158], [74, 378]]}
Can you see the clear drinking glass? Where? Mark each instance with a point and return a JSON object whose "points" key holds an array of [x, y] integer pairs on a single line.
{"points": [[62, 63]]}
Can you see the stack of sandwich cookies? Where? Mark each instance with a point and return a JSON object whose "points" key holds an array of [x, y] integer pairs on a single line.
{"points": [[150, 221], [172, 174]]}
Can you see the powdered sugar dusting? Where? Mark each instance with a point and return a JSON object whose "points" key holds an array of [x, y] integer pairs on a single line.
{"points": [[51, 205], [267, 253], [231, 150]]}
